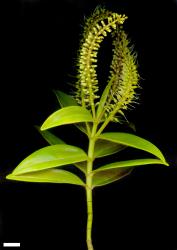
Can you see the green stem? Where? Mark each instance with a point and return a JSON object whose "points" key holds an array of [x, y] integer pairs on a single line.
{"points": [[104, 124], [89, 187], [108, 119]]}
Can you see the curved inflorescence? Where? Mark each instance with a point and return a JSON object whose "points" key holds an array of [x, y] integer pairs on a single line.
{"points": [[97, 27], [124, 76]]}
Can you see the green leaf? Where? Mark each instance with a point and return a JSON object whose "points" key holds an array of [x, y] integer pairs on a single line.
{"points": [[64, 99], [126, 164], [53, 140], [82, 166], [49, 137], [50, 157], [50, 176], [104, 148], [67, 115], [82, 127], [103, 99], [108, 176], [135, 142]]}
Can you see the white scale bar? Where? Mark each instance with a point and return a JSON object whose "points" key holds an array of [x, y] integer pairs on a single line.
{"points": [[6, 244]]}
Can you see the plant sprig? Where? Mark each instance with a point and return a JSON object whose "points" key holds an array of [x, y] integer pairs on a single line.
{"points": [[91, 114]]}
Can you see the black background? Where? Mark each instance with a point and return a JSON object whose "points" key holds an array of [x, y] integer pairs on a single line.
{"points": [[39, 42]]}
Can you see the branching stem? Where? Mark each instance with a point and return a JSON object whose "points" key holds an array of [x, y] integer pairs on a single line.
{"points": [[108, 119]]}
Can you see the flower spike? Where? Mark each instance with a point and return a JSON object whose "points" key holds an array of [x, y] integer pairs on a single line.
{"points": [[124, 76], [98, 26]]}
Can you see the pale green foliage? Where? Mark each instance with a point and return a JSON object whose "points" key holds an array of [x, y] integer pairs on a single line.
{"points": [[49, 176], [91, 114], [67, 115], [51, 157]]}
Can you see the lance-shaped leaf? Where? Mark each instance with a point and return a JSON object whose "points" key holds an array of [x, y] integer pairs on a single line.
{"points": [[82, 127], [49, 137], [109, 175], [67, 115], [50, 157], [64, 99], [135, 142], [53, 140], [50, 176], [104, 148], [127, 164], [82, 166]]}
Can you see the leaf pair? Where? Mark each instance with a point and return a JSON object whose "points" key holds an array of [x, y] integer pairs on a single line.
{"points": [[39, 166]]}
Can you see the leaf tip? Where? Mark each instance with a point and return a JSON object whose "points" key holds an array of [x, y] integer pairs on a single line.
{"points": [[166, 164], [43, 127], [9, 177]]}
